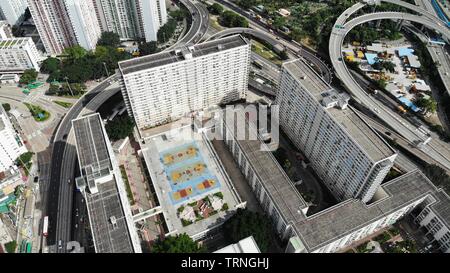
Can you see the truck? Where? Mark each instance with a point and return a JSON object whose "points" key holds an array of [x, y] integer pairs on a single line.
{"points": [[45, 227]]}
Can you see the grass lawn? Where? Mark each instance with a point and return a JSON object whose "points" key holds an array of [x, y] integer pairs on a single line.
{"points": [[265, 52], [36, 111], [127, 184], [63, 104]]}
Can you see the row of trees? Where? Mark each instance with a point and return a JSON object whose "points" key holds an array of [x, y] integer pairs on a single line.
{"points": [[243, 224], [229, 18], [65, 89], [120, 127], [77, 65]]}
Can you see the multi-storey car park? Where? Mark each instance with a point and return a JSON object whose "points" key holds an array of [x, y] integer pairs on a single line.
{"points": [[347, 154], [330, 230], [164, 87], [102, 186]]}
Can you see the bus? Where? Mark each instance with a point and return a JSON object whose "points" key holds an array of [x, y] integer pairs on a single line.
{"points": [[45, 227]]}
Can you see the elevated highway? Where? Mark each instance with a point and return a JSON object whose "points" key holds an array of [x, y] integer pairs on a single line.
{"points": [[436, 148]]}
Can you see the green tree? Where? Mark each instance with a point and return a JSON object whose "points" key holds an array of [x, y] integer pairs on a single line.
{"points": [[245, 223], [53, 90], [120, 127], [216, 9], [11, 247], [109, 38], [179, 14], [181, 243], [28, 76], [232, 19], [50, 65], [148, 48], [6, 106], [74, 53], [166, 31], [430, 105]]}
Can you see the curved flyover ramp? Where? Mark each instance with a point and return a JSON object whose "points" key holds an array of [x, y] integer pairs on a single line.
{"points": [[403, 127]]}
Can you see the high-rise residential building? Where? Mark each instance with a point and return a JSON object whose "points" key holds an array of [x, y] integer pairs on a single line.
{"points": [[132, 19], [13, 10], [346, 153], [18, 54], [64, 23], [154, 16], [83, 19], [332, 229], [163, 87], [5, 30], [119, 16], [11, 145]]}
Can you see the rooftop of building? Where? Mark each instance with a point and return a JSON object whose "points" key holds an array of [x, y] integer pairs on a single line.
{"points": [[107, 220], [442, 207], [348, 216], [374, 146], [106, 215], [247, 245], [13, 43], [335, 222], [92, 150], [181, 54], [184, 170]]}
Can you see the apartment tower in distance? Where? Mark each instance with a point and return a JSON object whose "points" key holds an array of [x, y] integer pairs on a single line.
{"points": [[132, 19], [13, 10], [64, 23], [350, 157], [163, 87]]}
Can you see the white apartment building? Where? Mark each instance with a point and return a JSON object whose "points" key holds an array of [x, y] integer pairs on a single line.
{"points": [[13, 10], [154, 16], [18, 54], [65, 23], [132, 19], [84, 22], [435, 219], [5, 30], [11, 145], [119, 16], [53, 26], [348, 155], [332, 229], [163, 87]]}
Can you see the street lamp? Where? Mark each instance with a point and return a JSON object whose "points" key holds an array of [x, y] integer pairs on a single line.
{"points": [[70, 88], [106, 69]]}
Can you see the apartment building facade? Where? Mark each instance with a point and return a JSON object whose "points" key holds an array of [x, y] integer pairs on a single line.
{"points": [[163, 87], [18, 54], [132, 19], [332, 229], [13, 10], [348, 155], [11, 145], [65, 23]]}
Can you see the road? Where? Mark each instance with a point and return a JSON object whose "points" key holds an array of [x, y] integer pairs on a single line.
{"points": [[258, 29], [58, 193], [437, 149]]}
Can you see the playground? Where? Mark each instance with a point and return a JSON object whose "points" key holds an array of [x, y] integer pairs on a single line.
{"points": [[187, 172]]}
